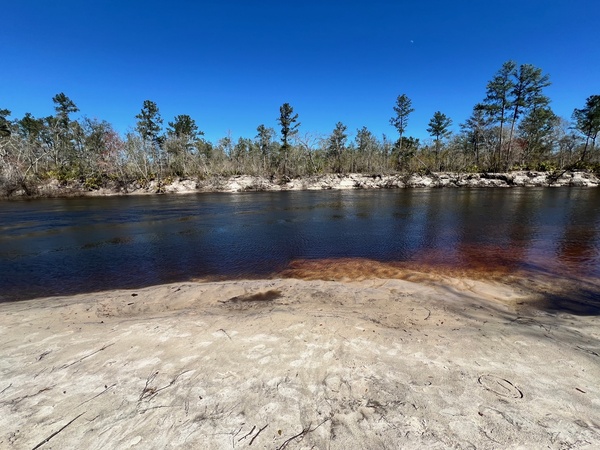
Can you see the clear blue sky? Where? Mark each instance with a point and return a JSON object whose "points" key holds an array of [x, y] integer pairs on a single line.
{"points": [[230, 64]]}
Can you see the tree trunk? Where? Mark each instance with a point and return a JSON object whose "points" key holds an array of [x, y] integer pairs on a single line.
{"points": [[510, 136], [584, 154], [400, 150]]}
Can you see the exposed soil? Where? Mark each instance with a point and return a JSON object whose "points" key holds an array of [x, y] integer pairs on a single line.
{"points": [[423, 362]]}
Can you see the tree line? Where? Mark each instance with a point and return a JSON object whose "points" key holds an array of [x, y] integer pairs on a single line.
{"points": [[512, 128]]}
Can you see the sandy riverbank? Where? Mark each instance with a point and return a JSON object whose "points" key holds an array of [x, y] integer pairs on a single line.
{"points": [[246, 183], [439, 363]]}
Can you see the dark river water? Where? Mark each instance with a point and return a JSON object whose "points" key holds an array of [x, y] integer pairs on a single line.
{"points": [[63, 246]]}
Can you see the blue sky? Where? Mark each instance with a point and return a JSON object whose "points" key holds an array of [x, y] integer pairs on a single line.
{"points": [[230, 64]]}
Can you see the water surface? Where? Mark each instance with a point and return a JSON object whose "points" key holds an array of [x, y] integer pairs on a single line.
{"points": [[63, 246]]}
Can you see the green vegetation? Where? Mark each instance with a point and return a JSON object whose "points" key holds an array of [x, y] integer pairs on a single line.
{"points": [[438, 129], [512, 128]]}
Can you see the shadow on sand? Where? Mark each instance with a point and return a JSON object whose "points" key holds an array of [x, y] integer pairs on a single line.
{"points": [[580, 301]]}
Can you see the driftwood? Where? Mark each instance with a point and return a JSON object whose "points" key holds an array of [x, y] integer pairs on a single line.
{"points": [[301, 435], [56, 432], [86, 356], [256, 435]]}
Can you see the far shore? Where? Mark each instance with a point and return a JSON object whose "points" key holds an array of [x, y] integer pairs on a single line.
{"points": [[426, 361], [249, 183]]}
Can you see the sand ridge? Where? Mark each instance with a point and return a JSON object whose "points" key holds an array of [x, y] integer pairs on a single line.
{"points": [[289, 363]]}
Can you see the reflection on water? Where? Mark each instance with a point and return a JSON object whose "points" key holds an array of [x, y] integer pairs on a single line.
{"points": [[57, 246]]}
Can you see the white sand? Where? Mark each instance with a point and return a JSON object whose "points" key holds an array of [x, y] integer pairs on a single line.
{"points": [[298, 364]]}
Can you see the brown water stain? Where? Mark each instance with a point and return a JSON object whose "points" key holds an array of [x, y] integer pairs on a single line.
{"points": [[358, 269], [545, 290]]}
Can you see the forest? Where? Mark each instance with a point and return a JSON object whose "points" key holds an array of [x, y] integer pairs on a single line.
{"points": [[512, 128]]}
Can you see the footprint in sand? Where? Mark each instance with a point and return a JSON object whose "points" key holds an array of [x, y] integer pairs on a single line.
{"points": [[500, 386]]}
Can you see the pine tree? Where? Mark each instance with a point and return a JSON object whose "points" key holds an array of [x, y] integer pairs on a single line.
{"points": [[536, 130], [62, 131], [64, 106], [498, 103], [289, 126], [336, 145], [183, 126], [366, 145], [587, 122], [438, 128], [264, 140], [527, 97], [475, 127], [402, 109], [149, 124], [182, 137], [4, 123]]}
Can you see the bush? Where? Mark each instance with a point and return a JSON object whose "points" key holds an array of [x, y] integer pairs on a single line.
{"points": [[546, 166]]}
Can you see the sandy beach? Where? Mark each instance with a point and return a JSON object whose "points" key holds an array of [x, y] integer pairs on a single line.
{"points": [[429, 362]]}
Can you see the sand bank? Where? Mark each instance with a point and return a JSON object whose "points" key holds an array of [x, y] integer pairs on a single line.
{"points": [[286, 363], [245, 183]]}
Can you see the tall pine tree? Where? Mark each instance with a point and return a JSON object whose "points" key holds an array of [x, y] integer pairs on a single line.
{"points": [[289, 127]]}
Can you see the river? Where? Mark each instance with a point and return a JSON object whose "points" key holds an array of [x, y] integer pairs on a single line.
{"points": [[74, 245]]}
